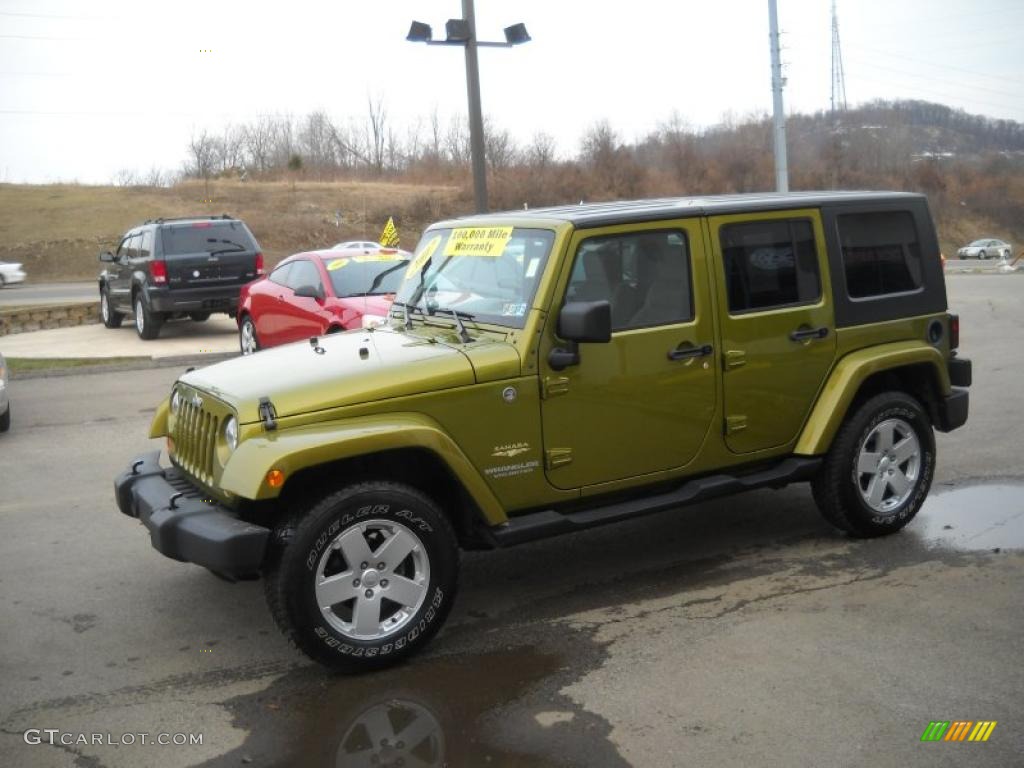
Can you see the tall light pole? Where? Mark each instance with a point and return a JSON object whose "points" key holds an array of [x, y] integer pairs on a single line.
{"points": [[463, 32], [778, 115]]}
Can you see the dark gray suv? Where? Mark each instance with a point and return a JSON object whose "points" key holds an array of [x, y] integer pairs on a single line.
{"points": [[176, 268]]}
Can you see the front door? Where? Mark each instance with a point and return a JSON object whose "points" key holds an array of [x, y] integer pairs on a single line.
{"points": [[778, 332], [644, 401], [301, 316]]}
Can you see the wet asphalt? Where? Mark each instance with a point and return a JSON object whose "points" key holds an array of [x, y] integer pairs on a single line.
{"points": [[739, 632]]}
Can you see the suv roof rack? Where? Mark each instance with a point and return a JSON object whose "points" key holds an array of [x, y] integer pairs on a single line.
{"points": [[164, 219]]}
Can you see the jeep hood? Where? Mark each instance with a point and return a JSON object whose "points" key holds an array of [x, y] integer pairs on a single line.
{"points": [[355, 367]]}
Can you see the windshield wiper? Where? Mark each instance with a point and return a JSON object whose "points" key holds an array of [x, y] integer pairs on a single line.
{"points": [[406, 322], [458, 315], [236, 246]]}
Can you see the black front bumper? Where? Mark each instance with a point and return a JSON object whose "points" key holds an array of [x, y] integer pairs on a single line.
{"points": [[185, 526]]}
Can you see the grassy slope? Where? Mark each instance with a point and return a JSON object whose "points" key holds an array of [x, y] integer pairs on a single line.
{"points": [[58, 230]]}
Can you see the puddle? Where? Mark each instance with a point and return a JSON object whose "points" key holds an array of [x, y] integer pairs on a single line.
{"points": [[464, 710], [973, 518]]}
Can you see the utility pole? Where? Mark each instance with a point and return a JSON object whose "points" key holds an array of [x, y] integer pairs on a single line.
{"points": [[463, 32], [838, 73], [476, 117], [778, 114]]}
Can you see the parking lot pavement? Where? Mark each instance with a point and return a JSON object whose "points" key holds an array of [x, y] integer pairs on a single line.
{"points": [[178, 338], [734, 633]]}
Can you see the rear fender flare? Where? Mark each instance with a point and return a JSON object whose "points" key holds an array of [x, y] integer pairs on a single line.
{"points": [[846, 379]]}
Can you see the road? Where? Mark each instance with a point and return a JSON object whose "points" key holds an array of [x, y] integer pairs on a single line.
{"points": [[48, 293], [734, 633]]}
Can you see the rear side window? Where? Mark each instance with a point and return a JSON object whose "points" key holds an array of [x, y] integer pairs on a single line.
{"points": [[146, 249], [881, 253], [206, 237], [303, 273], [768, 264], [280, 274]]}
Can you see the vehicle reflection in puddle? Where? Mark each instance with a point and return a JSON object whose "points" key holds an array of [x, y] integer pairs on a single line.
{"points": [[394, 734], [972, 518], [496, 709]]}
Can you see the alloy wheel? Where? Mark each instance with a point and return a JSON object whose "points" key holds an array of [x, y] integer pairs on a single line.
{"points": [[372, 579], [888, 465]]}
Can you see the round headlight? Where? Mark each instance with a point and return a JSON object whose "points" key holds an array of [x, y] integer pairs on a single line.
{"points": [[231, 432], [175, 401]]}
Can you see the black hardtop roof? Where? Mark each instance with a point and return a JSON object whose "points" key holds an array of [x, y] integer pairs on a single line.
{"points": [[622, 211]]}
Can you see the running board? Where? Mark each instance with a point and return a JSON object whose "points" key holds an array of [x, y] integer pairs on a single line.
{"points": [[541, 525]]}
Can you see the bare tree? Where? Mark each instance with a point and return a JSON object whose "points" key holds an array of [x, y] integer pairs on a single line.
{"points": [[259, 139], [202, 154], [541, 152], [376, 127]]}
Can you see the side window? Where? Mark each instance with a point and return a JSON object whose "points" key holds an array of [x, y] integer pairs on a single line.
{"points": [[768, 264], [146, 246], [644, 275], [132, 246], [881, 253], [302, 273], [280, 274], [122, 249]]}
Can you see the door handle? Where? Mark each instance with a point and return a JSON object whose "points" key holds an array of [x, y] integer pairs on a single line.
{"points": [[808, 334], [686, 353]]}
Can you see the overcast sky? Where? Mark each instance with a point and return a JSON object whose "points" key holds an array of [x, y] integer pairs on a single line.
{"points": [[87, 89]]}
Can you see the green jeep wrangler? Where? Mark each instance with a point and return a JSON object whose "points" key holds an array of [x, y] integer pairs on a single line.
{"points": [[545, 371]]}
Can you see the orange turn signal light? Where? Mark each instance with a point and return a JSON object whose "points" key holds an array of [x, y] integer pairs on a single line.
{"points": [[275, 478]]}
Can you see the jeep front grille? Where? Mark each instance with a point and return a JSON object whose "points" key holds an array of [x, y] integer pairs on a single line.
{"points": [[195, 440]]}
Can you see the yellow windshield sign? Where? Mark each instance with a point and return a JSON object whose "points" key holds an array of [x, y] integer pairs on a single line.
{"points": [[478, 241], [423, 256], [336, 264]]}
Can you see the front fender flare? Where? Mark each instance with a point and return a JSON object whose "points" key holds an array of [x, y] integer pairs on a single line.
{"points": [[845, 380], [292, 450]]}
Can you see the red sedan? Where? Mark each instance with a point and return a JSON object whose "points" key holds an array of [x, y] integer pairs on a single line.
{"points": [[319, 292]]}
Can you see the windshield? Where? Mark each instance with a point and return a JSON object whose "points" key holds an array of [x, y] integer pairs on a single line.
{"points": [[205, 237], [978, 243], [366, 275], [488, 273]]}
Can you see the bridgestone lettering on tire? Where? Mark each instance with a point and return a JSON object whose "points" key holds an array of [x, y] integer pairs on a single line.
{"points": [[879, 469], [364, 577]]}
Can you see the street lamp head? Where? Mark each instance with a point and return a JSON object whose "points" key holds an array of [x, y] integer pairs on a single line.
{"points": [[419, 33], [457, 31], [516, 34]]}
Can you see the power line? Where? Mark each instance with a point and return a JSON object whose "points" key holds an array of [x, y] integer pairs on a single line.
{"points": [[945, 82], [49, 15], [937, 65], [38, 37]]}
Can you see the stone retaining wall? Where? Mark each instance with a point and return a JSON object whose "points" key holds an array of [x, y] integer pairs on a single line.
{"points": [[37, 318]]}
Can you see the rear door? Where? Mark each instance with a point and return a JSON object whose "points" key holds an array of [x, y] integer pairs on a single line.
{"points": [[777, 325]]}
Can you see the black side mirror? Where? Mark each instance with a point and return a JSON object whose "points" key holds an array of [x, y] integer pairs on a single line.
{"points": [[310, 292], [106, 256], [581, 322]]}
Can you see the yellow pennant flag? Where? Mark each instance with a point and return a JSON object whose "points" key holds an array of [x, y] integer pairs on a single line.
{"points": [[389, 237]]}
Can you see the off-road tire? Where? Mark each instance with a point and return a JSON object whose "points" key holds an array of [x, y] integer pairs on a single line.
{"points": [[108, 316], [835, 488], [293, 565], [199, 317], [5, 419], [147, 322]]}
